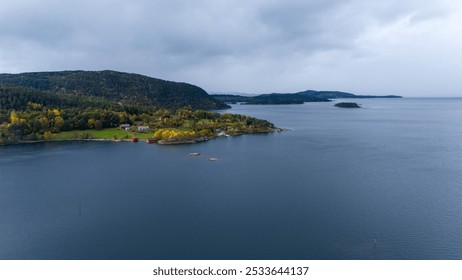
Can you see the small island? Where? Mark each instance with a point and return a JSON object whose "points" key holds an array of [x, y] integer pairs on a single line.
{"points": [[347, 105]]}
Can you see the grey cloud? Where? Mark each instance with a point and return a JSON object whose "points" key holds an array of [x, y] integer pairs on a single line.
{"points": [[209, 42]]}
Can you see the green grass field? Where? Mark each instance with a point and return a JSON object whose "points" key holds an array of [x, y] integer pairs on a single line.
{"points": [[108, 133]]}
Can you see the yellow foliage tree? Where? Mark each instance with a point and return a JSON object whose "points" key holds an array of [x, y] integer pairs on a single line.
{"points": [[47, 136], [59, 121], [14, 117], [91, 123]]}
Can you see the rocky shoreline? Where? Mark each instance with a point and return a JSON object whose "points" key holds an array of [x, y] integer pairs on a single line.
{"points": [[160, 142]]}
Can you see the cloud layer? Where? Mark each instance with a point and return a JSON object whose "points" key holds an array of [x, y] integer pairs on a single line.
{"points": [[373, 47]]}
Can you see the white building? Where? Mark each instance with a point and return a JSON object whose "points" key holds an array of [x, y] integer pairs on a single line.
{"points": [[124, 126], [143, 127]]}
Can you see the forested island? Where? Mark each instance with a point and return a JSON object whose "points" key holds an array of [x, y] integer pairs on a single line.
{"points": [[109, 105], [350, 105], [292, 98]]}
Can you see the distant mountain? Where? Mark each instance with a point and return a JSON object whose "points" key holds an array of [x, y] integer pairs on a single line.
{"points": [[234, 93], [231, 98], [128, 89], [292, 98]]}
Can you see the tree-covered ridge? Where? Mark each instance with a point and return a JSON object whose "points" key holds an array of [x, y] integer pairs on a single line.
{"points": [[19, 98], [129, 89], [340, 94], [284, 98], [270, 99]]}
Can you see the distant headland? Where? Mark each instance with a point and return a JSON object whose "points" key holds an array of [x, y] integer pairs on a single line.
{"points": [[292, 98]]}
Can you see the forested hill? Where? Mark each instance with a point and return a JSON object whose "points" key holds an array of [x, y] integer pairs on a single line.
{"points": [[22, 98], [129, 89]]}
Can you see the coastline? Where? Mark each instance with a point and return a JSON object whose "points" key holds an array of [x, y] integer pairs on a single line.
{"points": [[159, 142]]}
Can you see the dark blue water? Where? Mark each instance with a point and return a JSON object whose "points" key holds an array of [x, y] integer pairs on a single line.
{"points": [[382, 182]]}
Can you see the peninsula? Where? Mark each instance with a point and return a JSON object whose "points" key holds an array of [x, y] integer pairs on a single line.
{"points": [[109, 105]]}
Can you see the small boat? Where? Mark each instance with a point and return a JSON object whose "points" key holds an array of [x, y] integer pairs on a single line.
{"points": [[194, 154], [134, 140], [151, 140], [212, 158]]}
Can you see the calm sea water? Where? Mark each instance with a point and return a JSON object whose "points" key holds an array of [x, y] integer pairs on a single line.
{"points": [[382, 182]]}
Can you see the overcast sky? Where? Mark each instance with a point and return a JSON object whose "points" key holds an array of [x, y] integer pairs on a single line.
{"points": [[411, 48]]}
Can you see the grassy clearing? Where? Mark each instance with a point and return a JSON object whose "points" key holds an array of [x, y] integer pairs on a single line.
{"points": [[108, 133]]}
